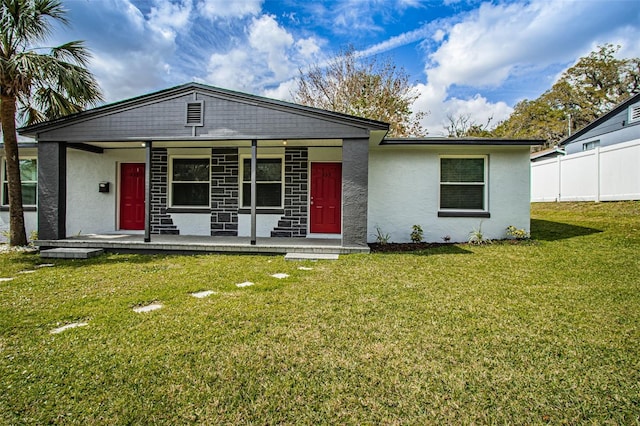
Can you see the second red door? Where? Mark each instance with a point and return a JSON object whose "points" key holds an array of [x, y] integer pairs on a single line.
{"points": [[326, 198]]}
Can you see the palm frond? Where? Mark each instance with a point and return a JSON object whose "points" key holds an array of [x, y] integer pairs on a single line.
{"points": [[28, 115], [73, 51], [26, 22]]}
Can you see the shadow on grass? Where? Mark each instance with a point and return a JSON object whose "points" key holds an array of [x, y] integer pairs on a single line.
{"points": [[104, 259], [545, 230], [421, 249]]}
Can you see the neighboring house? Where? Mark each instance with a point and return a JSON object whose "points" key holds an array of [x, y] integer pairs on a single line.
{"points": [[622, 124], [601, 163], [28, 152], [198, 160]]}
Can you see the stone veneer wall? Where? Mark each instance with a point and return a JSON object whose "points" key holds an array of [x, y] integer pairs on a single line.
{"points": [[296, 176], [161, 222], [224, 192]]}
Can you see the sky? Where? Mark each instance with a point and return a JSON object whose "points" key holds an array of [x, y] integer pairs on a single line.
{"points": [[464, 58]]}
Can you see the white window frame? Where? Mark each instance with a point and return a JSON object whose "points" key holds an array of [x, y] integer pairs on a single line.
{"points": [[485, 183], [282, 180], [170, 182], [3, 181], [590, 145]]}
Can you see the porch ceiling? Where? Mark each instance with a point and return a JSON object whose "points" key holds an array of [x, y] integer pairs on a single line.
{"points": [[199, 143]]}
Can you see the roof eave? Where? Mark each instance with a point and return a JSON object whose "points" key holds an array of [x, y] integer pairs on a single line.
{"points": [[461, 141]]}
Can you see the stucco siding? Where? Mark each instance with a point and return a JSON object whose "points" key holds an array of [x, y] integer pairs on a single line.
{"points": [[265, 224], [404, 191], [355, 182], [329, 155], [90, 211], [30, 224]]}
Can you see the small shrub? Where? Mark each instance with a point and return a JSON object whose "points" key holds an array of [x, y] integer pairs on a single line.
{"points": [[381, 237], [417, 234], [476, 237], [518, 234]]}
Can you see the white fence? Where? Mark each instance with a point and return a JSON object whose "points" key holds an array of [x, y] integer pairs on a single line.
{"points": [[602, 174]]}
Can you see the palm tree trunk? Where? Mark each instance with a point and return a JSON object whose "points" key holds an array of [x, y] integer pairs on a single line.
{"points": [[17, 233]]}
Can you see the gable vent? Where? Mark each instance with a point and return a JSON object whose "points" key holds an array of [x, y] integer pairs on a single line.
{"points": [[634, 113], [194, 115]]}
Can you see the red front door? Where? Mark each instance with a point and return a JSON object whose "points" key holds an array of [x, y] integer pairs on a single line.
{"points": [[326, 198], [132, 196]]}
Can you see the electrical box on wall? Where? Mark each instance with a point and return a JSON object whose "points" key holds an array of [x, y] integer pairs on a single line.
{"points": [[103, 187]]}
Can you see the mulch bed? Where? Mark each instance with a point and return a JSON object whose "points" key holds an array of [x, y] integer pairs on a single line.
{"points": [[404, 247], [401, 247]]}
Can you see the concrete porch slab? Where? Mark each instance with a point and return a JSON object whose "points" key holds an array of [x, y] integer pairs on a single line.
{"points": [[71, 253], [202, 244], [311, 256]]}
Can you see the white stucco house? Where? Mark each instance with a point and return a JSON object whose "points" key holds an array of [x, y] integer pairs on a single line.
{"points": [[195, 160]]}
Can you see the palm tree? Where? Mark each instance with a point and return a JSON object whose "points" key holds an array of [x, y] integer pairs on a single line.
{"points": [[44, 83]]}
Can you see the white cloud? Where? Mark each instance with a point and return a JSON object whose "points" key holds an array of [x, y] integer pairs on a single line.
{"points": [[213, 9], [232, 70], [493, 42], [272, 42], [283, 91], [131, 51], [497, 43], [478, 109], [308, 47], [167, 17], [269, 56]]}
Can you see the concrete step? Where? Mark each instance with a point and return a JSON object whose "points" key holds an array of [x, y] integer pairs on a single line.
{"points": [[71, 253], [311, 256]]}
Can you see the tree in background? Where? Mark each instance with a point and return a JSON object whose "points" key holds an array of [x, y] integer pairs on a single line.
{"points": [[365, 88], [592, 87], [462, 126], [44, 85]]}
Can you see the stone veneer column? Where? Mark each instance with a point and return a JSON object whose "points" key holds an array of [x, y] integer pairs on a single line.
{"points": [[224, 192], [355, 187], [161, 222], [296, 176]]}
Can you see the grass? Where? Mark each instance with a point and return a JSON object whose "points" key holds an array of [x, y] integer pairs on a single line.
{"points": [[540, 332]]}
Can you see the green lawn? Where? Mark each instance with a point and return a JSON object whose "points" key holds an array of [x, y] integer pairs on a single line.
{"points": [[541, 332]]}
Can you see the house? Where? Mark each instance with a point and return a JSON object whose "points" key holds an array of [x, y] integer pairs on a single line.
{"points": [[195, 160], [601, 161], [621, 124]]}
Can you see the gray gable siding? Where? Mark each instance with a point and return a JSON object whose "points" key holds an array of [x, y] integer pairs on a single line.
{"points": [[615, 129], [609, 129], [223, 119]]}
